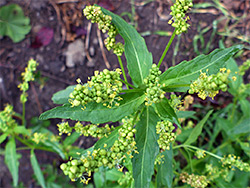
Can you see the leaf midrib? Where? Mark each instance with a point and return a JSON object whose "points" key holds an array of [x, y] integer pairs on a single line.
{"points": [[136, 54], [103, 109], [186, 75], [144, 146]]}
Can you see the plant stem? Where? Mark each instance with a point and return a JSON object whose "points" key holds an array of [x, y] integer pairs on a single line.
{"points": [[233, 110], [195, 148], [167, 47], [131, 90], [23, 115], [133, 13], [123, 71], [32, 146], [126, 83]]}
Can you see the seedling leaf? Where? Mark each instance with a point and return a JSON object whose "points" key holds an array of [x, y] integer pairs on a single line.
{"points": [[13, 23]]}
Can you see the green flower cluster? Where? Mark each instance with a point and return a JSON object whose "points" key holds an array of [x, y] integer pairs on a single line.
{"points": [[232, 161], [200, 154], [229, 163], [175, 102], [6, 120], [194, 180], [179, 10], [126, 179], [87, 130], [28, 76], [158, 159], [64, 128], [210, 85], [244, 67], [93, 130], [214, 172], [166, 135], [110, 158], [125, 142], [102, 88], [154, 92], [39, 137], [104, 22]]}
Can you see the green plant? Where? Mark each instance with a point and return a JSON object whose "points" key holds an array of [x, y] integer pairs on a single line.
{"points": [[13, 23], [13, 130], [144, 141]]}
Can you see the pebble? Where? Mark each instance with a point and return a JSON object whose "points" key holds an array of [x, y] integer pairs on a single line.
{"points": [[75, 53], [91, 63]]}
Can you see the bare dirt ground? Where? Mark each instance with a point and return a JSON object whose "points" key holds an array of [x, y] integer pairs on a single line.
{"points": [[71, 32]]}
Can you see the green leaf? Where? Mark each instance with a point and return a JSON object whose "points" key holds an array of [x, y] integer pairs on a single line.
{"points": [[37, 169], [62, 97], [197, 129], [185, 114], [245, 146], [97, 113], [108, 140], [179, 77], [69, 140], [113, 175], [165, 111], [139, 59], [242, 128], [146, 143], [22, 130], [165, 169], [99, 179], [3, 137], [13, 23], [245, 107], [56, 147], [232, 65], [11, 159]]}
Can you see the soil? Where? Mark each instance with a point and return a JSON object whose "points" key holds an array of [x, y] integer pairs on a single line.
{"points": [[59, 16]]}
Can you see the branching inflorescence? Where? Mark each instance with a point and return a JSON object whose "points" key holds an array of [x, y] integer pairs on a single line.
{"points": [[103, 87], [210, 85], [104, 22], [107, 157], [179, 19], [154, 92]]}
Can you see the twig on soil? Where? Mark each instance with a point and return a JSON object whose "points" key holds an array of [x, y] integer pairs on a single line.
{"points": [[56, 78], [159, 11], [102, 49], [87, 42], [58, 14], [36, 98], [66, 1]]}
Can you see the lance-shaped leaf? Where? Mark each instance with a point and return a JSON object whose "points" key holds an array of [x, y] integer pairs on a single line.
{"points": [[165, 169], [97, 113], [146, 143], [11, 159], [197, 129], [108, 140], [179, 77], [36, 168], [139, 59], [62, 97], [165, 111], [232, 65]]}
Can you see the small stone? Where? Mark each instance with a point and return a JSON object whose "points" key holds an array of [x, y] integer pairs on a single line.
{"points": [[39, 58], [2, 2], [92, 50], [91, 63], [75, 53]]}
